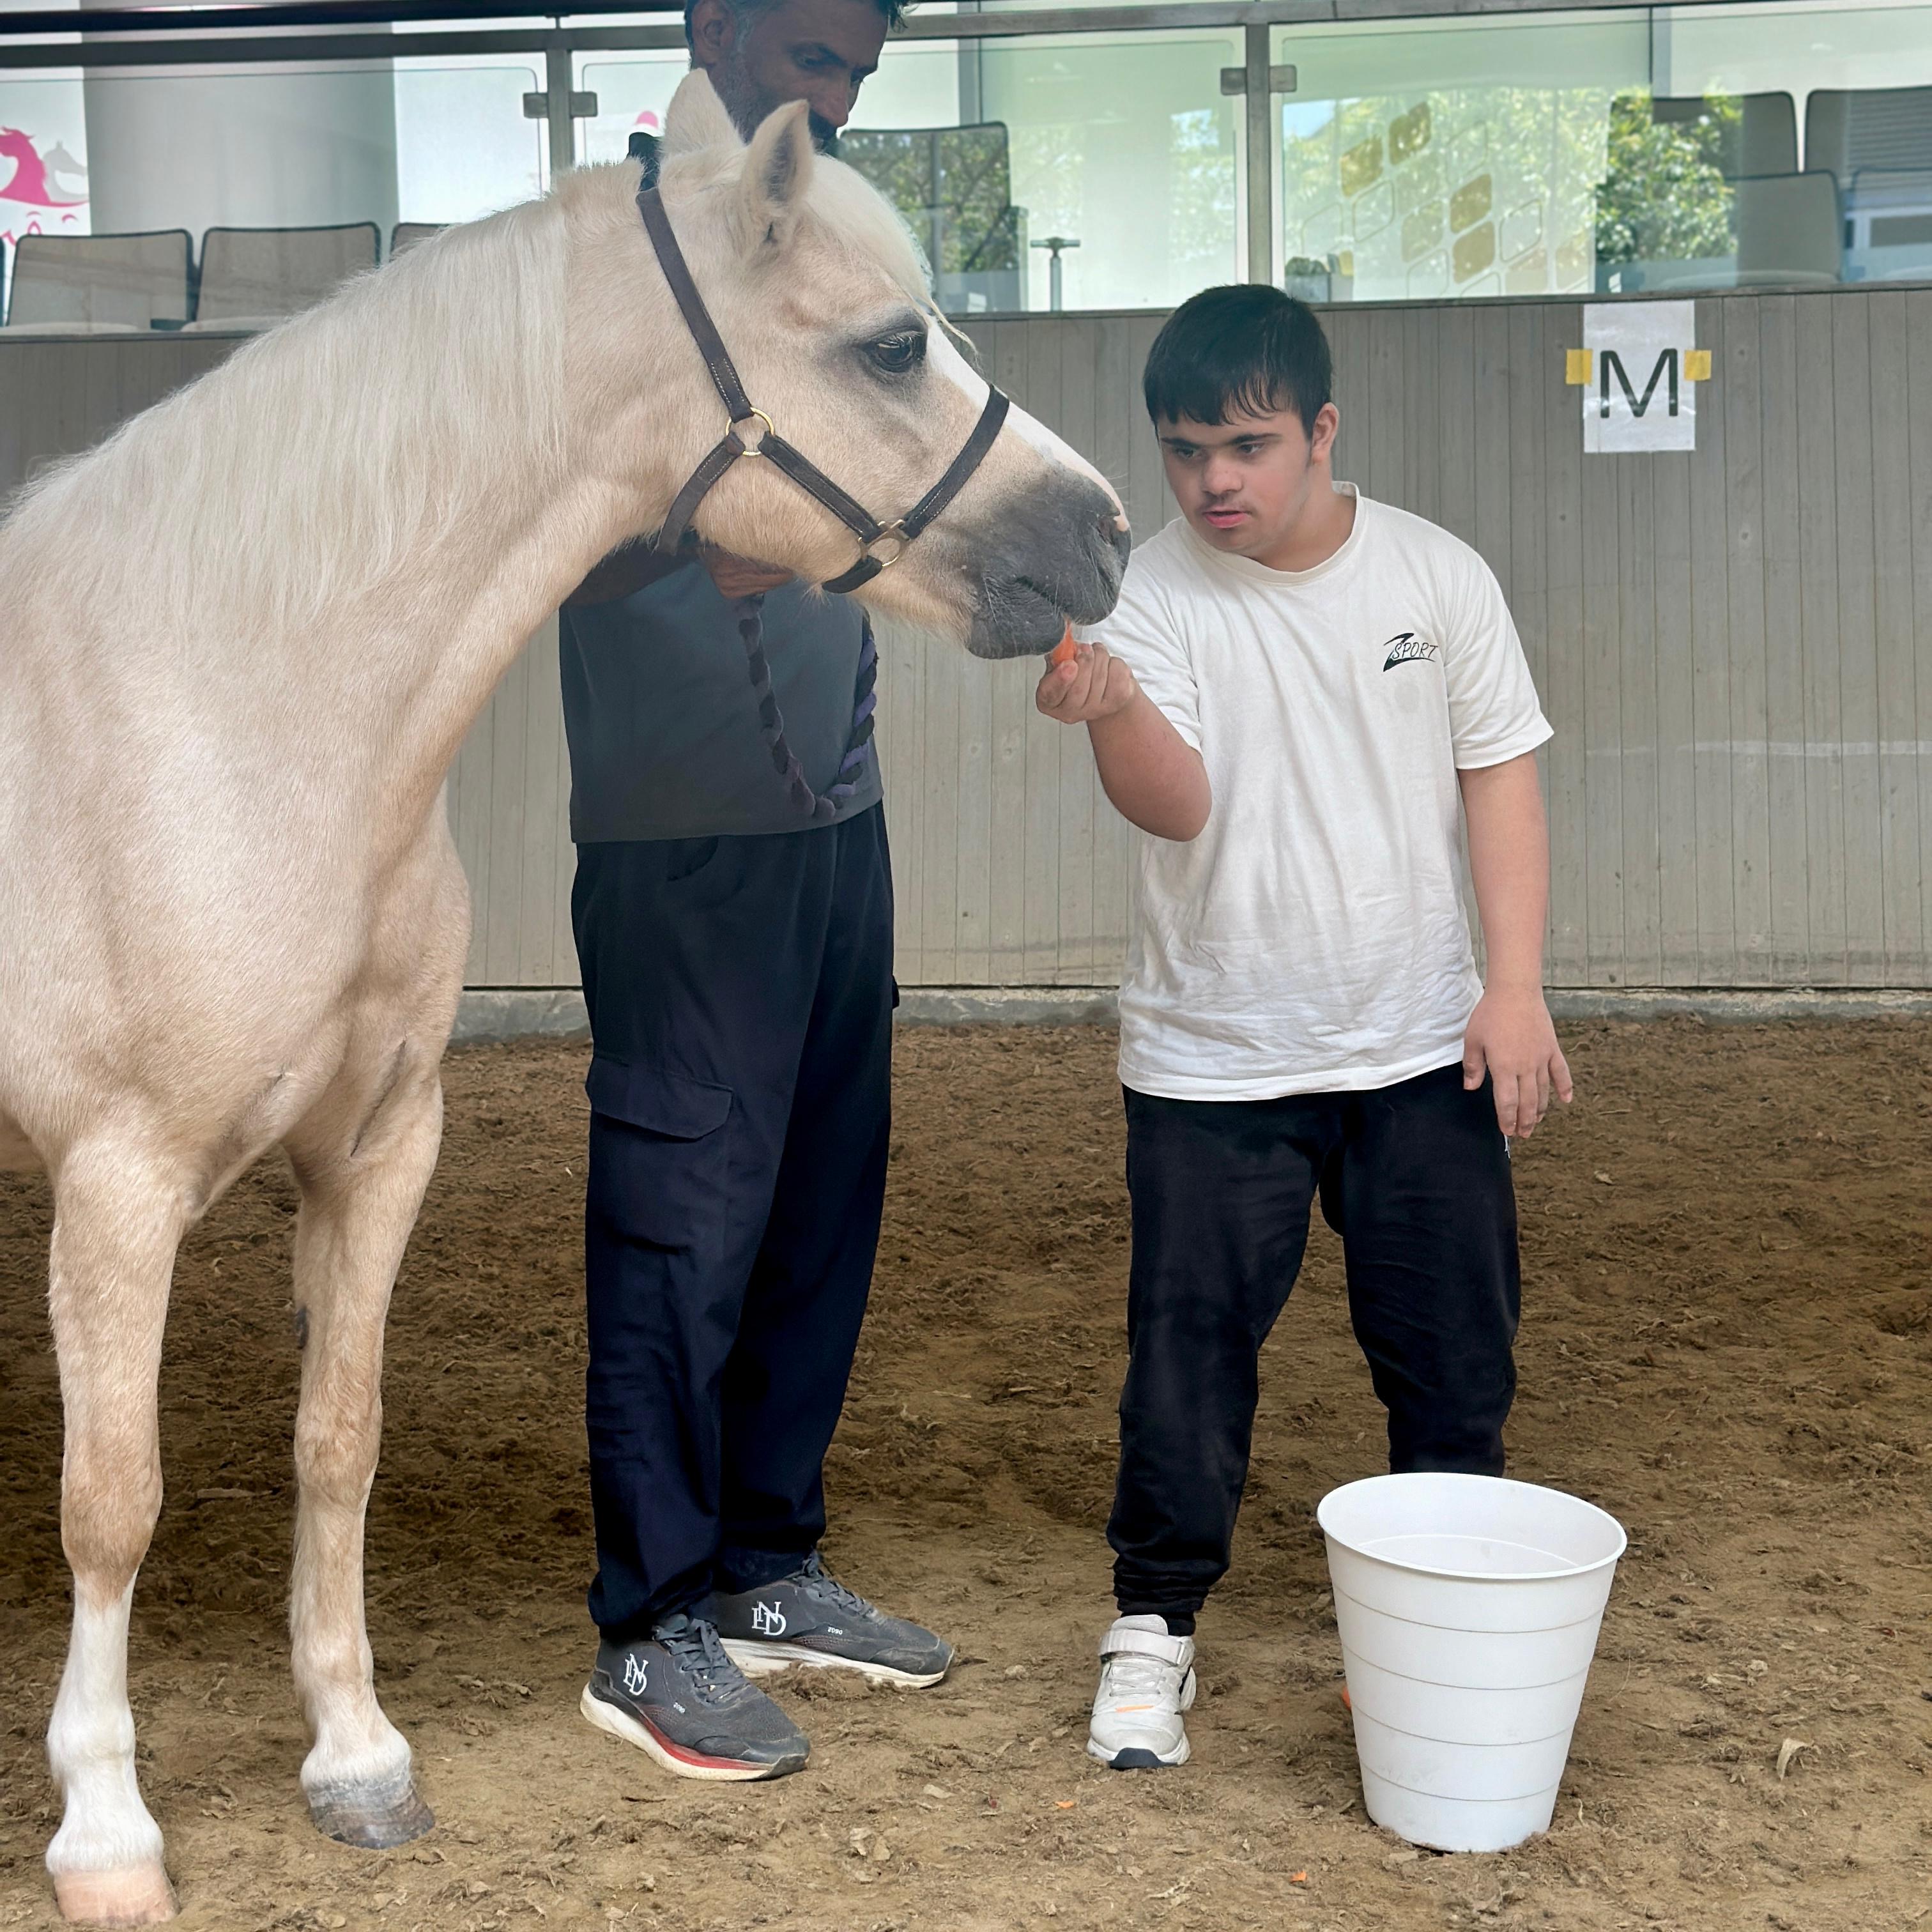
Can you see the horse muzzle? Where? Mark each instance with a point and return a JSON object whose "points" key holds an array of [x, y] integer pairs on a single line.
{"points": [[1047, 566]]}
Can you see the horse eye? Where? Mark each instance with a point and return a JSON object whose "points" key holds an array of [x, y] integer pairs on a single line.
{"points": [[898, 353]]}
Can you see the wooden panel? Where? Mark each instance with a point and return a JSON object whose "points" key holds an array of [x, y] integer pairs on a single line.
{"points": [[1919, 415], [1696, 630], [1527, 376], [1603, 841], [1734, 395], [1677, 726], [1631, 605], [1818, 619], [1901, 763], [1855, 642], [1559, 461], [1784, 645]]}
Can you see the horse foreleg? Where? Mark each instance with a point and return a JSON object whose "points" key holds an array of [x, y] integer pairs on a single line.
{"points": [[360, 1191], [116, 1226]]}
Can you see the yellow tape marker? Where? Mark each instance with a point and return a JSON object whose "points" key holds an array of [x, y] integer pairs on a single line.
{"points": [[1697, 365], [1577, 370]]}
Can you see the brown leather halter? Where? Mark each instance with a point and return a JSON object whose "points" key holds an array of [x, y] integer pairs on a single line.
{"points": [[750, 432]]}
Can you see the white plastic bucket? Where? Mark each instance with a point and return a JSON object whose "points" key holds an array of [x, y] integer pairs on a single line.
{"points": [[1468, 1608]]}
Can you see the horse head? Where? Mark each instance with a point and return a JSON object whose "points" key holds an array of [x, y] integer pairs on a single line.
{"points": [[819, 294]]}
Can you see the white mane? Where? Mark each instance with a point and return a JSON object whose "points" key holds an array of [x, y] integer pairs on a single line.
{"points": [[323, 453]]}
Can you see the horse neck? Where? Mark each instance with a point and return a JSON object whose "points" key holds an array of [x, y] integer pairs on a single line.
{"points": [[349, 591], [451, 629]]}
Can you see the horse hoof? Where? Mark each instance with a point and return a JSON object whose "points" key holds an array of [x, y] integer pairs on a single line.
{"points": [[140, 1895], [372, 1819]]}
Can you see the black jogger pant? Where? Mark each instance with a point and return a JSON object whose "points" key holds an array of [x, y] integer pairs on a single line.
{"points": [[1415, 1178], [740, 993]]}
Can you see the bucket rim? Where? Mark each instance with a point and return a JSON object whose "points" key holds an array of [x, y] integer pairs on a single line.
{"points": [[1324, 1512]]}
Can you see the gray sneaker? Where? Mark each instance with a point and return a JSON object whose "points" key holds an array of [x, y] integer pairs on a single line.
{"points": [[809, 1618], [683, 1703]]}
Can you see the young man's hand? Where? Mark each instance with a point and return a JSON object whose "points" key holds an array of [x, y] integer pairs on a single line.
{"points": [[1511, 1039], [738, 577], [1092, 684], [1154, 777]]}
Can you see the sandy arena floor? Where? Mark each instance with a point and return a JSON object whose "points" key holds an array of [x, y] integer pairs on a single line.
{"points": [[1726, 1342]]}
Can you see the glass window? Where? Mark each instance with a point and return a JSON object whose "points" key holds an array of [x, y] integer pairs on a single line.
{"points": [[1080, 171], [1712, 147], [633, 90], [1089, 171], [275, 181]]}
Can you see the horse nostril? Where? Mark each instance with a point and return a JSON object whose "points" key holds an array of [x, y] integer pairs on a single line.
{"points": [[1115, 530]]}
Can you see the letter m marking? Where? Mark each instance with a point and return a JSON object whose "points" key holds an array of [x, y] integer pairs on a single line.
{"points": [[1610, 360]]}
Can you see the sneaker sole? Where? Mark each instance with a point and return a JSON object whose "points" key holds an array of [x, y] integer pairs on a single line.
{"points": [[674, 1758], [1137, 1757], [756, 1658]]}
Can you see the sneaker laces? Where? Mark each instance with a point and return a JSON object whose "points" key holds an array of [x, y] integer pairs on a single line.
{"points": [[694, 1645], [1127, 1673], [813, 1575]]}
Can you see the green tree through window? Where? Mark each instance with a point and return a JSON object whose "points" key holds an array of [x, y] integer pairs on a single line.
{"points": [[1666, 198]]}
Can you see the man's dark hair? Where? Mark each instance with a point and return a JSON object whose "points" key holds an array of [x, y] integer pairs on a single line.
{"points": [[1243, 350], [746, 11]]}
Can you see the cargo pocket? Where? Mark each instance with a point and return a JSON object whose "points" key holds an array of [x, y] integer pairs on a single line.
{"points": [[658, 1171]]}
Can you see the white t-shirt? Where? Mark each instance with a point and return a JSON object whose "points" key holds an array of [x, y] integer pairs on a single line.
{"points": [[1313, 939]]}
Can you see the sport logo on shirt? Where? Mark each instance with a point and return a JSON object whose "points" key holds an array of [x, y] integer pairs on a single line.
{"points": [[1405, 647]]}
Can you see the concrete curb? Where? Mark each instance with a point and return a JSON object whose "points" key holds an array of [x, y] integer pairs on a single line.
{"points": [[1735, 1006], [492, 1013], [486, 1014]]}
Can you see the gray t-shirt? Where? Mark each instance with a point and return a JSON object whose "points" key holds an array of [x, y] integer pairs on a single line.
{"points": [[663, 724]]}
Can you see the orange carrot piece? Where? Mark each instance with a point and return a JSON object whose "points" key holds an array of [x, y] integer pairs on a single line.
{"points": [[1063, 652]]}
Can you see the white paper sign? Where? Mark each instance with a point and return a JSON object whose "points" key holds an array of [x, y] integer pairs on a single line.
{"points": [[1638, 398]]}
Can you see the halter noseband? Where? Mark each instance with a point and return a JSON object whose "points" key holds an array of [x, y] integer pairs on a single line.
{"points": [[751, 432]]}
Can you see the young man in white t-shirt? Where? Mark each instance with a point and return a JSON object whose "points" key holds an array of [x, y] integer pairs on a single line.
{"points": [[1300, 698]]}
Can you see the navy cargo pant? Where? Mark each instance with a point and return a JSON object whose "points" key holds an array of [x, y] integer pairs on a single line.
{"points": [[740, 993]]}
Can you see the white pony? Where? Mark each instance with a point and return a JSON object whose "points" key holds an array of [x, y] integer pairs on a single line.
{"points": [[231, 915]]}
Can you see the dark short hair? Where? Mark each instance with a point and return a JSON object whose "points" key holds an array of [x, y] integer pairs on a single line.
{"points": [[748, 11], [1244, 350]]}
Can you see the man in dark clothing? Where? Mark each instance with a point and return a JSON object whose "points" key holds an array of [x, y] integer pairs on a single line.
{"points": [[737, 966]]}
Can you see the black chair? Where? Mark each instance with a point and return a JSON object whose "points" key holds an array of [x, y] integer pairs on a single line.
{"points": [[405, 235], [256, 275], [100, 282], [1789, 231], [1849, 130]]}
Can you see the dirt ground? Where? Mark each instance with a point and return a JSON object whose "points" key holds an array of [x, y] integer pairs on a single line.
{"points": [[1726, 1342]]}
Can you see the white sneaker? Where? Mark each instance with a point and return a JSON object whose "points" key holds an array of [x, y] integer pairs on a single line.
{"points": [[1147, 1680]]}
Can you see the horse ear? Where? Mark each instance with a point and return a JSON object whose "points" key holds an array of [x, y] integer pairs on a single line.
{"points": [[778, 170], [697, 117]]}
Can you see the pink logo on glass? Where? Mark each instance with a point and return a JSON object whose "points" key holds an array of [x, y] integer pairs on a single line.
{"points": [[44, 187]]}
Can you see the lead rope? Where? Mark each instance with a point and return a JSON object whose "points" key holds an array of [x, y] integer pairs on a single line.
{"points": [[820, 809]]}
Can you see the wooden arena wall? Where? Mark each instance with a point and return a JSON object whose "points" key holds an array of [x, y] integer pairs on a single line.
{"points": [[1734, 645]]}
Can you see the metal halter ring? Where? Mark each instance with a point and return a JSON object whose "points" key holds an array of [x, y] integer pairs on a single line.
{"points": [[756, 415], [893, 534]]}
